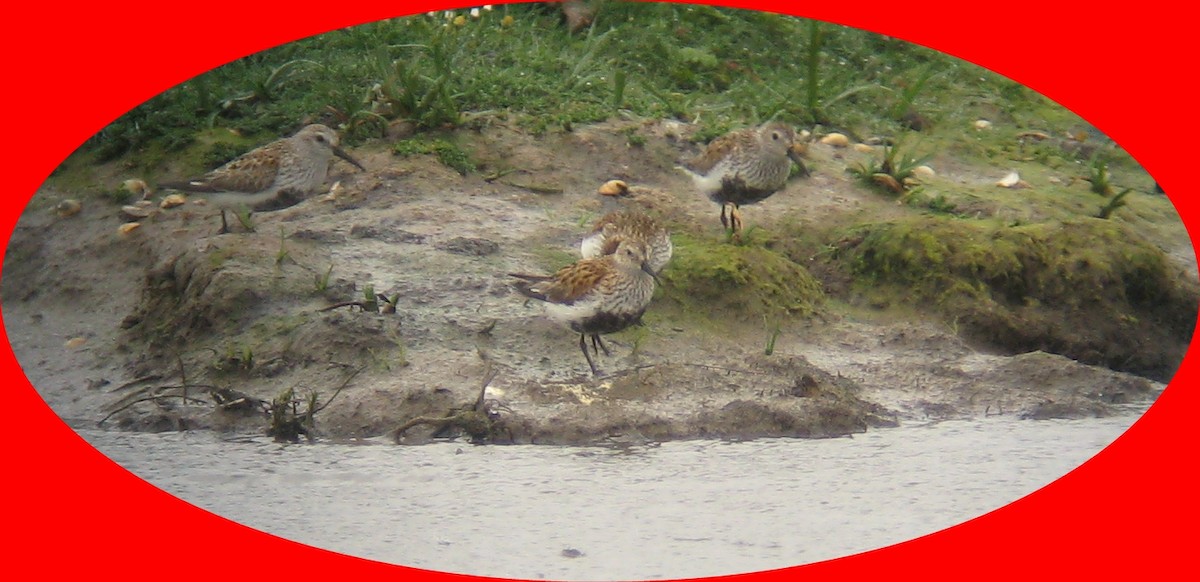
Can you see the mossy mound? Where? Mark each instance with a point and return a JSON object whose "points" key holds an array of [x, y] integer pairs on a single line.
{"points": [[1090, 289], [220, 289], [711, 277]]}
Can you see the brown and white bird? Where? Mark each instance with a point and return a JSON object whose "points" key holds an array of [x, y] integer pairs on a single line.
{"points": [[596, 296], [744, 167], [294, 166], [620, 223]]}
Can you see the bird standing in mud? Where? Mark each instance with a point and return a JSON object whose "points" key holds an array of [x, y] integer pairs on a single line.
{"points": [[292, 166], [744, 167], [626, 224], [596, 296]]}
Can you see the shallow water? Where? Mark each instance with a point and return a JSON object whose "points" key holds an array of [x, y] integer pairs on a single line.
{"points": [[680, 509]]}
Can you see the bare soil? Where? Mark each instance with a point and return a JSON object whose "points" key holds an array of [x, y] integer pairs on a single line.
{"points": [[174, 327]]}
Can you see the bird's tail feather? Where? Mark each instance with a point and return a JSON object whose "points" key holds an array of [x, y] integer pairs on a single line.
{"points": [[525, 286], [187, 186]]}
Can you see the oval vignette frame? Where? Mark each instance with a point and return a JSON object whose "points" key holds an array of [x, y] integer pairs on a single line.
{"points": [[74, 512]]}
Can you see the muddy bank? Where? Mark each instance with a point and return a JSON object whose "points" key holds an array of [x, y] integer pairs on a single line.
{"points": [[173, 327]]}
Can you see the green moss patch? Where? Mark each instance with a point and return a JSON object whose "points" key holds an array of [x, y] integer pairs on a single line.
{"points": [[712, 277], [448, 153], [1087, 288]]}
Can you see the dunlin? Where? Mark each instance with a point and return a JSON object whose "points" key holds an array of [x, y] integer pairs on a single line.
{"points": [[744, 167], [295, 166], [625, 223], [596, 296]]}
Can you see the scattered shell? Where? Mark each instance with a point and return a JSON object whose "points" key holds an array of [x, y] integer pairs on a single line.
{"points": [[983, 124], [1054, 180], [924, 172], [1012, 179], [836, 140], [864, 148], [136, 212], [172, 201], [144, 203], [804, 135], [507, 21], [1038, 135], [68, 207], [460, 20], [335, 192], [75, 342], [887, 181], [127, 228], [614, 188], [200, 202], [800, 149], [136, 187]]}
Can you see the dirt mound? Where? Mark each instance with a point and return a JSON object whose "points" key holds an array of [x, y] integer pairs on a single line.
{"points": [[708, 276], [1090, 289], [387, 301]]}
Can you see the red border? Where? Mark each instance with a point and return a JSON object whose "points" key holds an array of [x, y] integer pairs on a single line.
{"points": [[72, 69]]}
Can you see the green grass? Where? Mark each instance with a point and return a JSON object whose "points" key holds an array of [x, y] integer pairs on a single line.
{"points": [[718, 67], [447, 152]]}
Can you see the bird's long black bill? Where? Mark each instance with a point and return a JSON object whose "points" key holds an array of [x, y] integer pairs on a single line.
{"points": [[796, 157], [647, 270], [339, 152]]}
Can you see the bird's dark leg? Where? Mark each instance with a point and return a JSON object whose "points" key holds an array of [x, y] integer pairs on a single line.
{"points": [[224, 224], [596, 340], [583, 348], [724, 221]]}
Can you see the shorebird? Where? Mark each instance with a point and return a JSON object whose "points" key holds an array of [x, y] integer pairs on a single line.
{"points": [[291, 166], [623, 223], [744, 167], [596, 296]]}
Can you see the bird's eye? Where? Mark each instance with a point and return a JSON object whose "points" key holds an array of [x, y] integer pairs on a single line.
{"points": [[775, 135], [320, 138]]}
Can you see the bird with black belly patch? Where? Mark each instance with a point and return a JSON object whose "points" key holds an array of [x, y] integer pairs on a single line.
{"points": [[745, 166], [596, 296]]}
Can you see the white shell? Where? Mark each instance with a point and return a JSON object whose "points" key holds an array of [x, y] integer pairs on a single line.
{"points": [[889, 182], [1012, 179], [614, 188], [836, 140], [127, 228], [335, 192], [864, 148], [136, 212], [983, 124], [172, 201], [924, 172], [136, 187], [68, 207]]}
